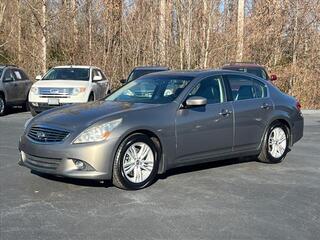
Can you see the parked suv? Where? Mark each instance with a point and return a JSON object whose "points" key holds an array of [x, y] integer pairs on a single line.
{"points": [[143, 70], [251, 68], [14, 87], [67, 84]]}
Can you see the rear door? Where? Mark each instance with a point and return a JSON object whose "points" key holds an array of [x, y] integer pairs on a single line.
{"points": [[10, 86], [101, 86], [252, 109], [21, 84], [205, 131]]}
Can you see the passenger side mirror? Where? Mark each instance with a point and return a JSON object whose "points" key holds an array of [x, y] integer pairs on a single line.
{"points": [[196, 101], [97, 78], [38, 77], [273, 77], [123, 81]]}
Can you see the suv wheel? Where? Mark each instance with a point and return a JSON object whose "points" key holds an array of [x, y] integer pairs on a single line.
{"points": [[275, 146], [3, 106], [136, 163]]}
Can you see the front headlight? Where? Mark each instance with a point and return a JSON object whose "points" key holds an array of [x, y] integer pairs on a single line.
{"points": [[76, 91], [97, 133], [34, 90]]}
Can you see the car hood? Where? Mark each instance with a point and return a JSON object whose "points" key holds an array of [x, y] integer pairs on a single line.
{"points": [[79, 116], [60, 83]]}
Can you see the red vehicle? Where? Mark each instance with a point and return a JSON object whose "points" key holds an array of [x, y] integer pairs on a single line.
{"points": [[251, 68]]}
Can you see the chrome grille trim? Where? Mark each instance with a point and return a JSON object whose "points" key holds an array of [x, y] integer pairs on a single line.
{"points": [[55, 91], [47, 135]]}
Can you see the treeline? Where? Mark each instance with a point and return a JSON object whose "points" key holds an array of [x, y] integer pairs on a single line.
{"points": [[117, 35]]}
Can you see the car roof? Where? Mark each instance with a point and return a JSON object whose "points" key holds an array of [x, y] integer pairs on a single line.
{"points": [[241, 64], [75, 66], [193, 73], [151, 68]]}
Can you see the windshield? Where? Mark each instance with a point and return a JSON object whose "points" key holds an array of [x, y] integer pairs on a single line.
{"points": [[252, 70], [78, 74], [150, 90], [139, 73]]}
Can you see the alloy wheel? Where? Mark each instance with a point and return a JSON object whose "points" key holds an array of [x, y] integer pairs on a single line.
{"points": [[277, 142], [2, 106], [138, 162]]}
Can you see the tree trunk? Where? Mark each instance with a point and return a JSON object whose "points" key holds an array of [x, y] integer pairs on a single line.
{"points": [[162, 32], [240, 31], [44, 37], [74, 29], [19, 32]]}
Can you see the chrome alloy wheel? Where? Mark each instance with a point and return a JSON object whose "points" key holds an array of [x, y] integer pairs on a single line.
{"points": [[277, 142], [1, 105], [138, 162]]}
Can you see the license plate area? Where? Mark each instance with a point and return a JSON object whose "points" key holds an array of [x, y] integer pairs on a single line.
{"points": [[53, 101]]}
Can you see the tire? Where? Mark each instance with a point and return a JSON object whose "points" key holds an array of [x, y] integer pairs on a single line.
{"points": [[32, 111], [143, 172], [91, 97], [278, 134], [3, 106], [26, 106]]}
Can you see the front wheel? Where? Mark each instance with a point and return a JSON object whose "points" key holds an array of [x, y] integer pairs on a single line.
{"points": [[3, 106], [136, 163], [276, 144]]}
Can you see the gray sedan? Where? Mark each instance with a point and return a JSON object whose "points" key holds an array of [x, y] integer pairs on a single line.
{"points": [[162, 121]]}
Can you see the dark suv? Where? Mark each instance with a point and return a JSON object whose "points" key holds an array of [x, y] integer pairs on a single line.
{"points": [[143, 70], [14, 87], [251, 68]]}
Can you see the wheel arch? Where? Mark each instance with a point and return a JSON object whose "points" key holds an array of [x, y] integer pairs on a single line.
{"points": [[155, 139], [3, 95]]}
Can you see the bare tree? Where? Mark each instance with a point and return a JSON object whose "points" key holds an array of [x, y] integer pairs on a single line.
{"points": [[240, 30]]}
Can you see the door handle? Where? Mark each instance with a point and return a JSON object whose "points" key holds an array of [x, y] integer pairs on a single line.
{"points": [[225, 113], [265, 106]]}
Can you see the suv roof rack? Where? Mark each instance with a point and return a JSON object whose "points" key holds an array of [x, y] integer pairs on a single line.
{"points": [[235, 63]]}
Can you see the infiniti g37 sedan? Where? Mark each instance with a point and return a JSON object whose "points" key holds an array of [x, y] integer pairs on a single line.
{"points": [[162, 121]]}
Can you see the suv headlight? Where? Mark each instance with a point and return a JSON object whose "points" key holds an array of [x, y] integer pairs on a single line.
{"points": [[97, 133], [76, 91], [34, 90]]}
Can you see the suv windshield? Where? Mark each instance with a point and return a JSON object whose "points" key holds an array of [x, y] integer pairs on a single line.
{"points": [[139, 73], [78, 74], [150, 90], [252, 70]]}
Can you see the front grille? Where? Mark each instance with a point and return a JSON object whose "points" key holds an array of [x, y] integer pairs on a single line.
{"points": [[55, 91], [47, 135], [41, 162]]}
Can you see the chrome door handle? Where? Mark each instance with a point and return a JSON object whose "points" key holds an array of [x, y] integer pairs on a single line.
{"points": [[225, 113]]}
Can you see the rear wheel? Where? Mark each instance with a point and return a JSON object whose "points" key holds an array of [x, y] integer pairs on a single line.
{"points": [[136, 163], [3, 106], [275, 146]]}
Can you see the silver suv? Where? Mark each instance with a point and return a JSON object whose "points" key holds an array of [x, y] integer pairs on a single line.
{"points": [[14, 87]]}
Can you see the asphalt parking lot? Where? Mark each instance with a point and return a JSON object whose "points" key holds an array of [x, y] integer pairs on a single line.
{"points": [[233, 199]]}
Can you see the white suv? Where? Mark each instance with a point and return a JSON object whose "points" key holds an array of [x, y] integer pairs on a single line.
{"points": [[67, 84]]}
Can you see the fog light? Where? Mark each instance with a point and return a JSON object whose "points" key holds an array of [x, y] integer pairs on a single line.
{"points": [[35, 104], [79, 164]]}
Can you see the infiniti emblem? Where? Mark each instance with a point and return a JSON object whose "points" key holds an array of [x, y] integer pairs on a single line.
{"points": [[41, 135]]}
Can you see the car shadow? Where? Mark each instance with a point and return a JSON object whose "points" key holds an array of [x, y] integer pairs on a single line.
{"points": [[15, 110], [205, 166], [171, 172]]}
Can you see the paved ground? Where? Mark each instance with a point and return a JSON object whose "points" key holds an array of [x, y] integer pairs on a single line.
{"points": [[227, 200]]}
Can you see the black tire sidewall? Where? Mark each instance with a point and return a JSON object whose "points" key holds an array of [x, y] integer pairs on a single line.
{"points": [[4, 106], [124, 146], [269, 156]]}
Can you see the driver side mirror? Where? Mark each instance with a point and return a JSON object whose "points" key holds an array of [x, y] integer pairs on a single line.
{"points": [[123, 81], [38, 77], [97, 78], [196, 101], [273, 77]]}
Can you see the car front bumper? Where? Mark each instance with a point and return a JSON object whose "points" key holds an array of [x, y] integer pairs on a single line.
{"points": [[59, 158]]}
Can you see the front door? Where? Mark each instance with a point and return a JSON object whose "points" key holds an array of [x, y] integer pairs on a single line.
{"points": [[10, 86], [205, 131]]}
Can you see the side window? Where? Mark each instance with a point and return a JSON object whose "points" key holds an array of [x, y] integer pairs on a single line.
{"points": [[210, 88], [18, 75], [241, 87], [260, 89], [8, 76]]}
